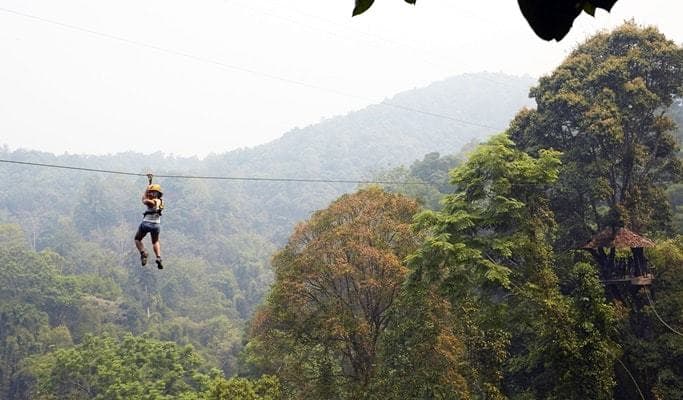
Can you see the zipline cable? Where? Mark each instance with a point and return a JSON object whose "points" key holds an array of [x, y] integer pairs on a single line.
{"points": [[225, 178], [234, 67], [660, 318], [240, 178]]}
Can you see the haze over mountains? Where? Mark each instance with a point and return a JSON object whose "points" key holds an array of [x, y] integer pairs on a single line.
{"points": [[353, 146], [236, 224], [328, 284], [384, 135], [391, 134]]}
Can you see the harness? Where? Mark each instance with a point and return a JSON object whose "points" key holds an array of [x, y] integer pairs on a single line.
{"points": [[156, 210]]}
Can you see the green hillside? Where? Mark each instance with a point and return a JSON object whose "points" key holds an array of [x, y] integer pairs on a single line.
{"points": [[70, 269], [539, 258]]}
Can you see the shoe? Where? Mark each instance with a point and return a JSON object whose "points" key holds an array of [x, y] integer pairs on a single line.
{"points": [[143, 257], [159, 264]]}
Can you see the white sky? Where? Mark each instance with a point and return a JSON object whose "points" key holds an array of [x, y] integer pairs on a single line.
{"points": [[66, 90]]}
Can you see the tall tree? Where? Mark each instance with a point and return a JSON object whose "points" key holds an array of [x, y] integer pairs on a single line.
{"points": [[336, 282], [604, 108], [608, 108], [490, 254]]}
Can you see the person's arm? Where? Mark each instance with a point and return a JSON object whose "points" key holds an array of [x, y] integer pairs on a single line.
{"points": [[146, 200]]}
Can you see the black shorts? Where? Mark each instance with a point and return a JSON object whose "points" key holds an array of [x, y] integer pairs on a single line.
{"points": [[148, 227]]}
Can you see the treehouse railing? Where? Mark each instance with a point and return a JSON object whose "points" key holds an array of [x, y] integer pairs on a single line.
{"points": [[625, 268]]}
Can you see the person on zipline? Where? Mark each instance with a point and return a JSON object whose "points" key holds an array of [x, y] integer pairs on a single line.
{"points": [[151, 223]]}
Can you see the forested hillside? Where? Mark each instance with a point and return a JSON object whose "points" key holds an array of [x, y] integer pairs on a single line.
{"points": [[70, 270], [543, 262], [531, 282]]}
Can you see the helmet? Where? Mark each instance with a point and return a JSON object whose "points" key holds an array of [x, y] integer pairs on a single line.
{"points": [[155, 187]]}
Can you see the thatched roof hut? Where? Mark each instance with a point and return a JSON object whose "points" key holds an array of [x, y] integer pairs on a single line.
{"points": [[620, 238]]}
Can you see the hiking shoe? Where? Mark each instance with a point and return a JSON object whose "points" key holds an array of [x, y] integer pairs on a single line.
{"points": [[159, 264], [143, 258]]}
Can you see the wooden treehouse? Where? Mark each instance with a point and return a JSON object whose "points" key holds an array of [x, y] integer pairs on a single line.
{"points": [[620, 256]]}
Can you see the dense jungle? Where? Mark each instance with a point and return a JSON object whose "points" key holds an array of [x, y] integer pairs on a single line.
{"points": [[540, 261]]}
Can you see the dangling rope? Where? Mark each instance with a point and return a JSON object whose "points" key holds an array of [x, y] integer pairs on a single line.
{"points": [[647, 293], [632, 378]]}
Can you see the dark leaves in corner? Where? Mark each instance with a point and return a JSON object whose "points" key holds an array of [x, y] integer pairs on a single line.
{"points": [[363, 5], [552, 19]]}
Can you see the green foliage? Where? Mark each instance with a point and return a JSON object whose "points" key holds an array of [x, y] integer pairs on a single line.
{"points": [[106, 368], [500, 199], [24, 331], [429, 178], [421, 355], [653, 352], [43, 307], [675, 195], [265, 388], [336, 282], [603, 109], [568, 351], [490, 257], [217, 340], [676, 114]]}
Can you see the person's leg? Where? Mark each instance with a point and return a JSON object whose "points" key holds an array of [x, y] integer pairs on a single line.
{"points": [[140, 246], [156, 246]]}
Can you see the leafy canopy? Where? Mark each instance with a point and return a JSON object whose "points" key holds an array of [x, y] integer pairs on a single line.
{"points": [[605, 109], [336, 282]]}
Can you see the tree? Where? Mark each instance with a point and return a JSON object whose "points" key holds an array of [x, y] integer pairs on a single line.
{"points": [[24, 331], [427, 179], [609, 109], [675, 192], [549, 19], [421, 354], [97, 208], [605, 109], [264, 388], [653, 351], [336, 282], [106, 368], [490, 256]]}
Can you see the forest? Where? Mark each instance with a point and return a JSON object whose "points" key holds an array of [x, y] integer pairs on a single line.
{"points": [[491, 278]]}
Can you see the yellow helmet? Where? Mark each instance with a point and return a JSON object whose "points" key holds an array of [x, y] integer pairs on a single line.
{"points": [[155, 187]]}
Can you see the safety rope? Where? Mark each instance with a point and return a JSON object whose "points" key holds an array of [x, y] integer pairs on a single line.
{"points": [[632, 378], [652, 304]]}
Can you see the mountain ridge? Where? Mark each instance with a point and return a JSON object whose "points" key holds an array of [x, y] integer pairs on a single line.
{"points": [[354, 146], [407, 134]]}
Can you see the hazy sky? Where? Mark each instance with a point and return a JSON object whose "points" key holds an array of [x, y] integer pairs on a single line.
{"points": [[195, 77]]}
